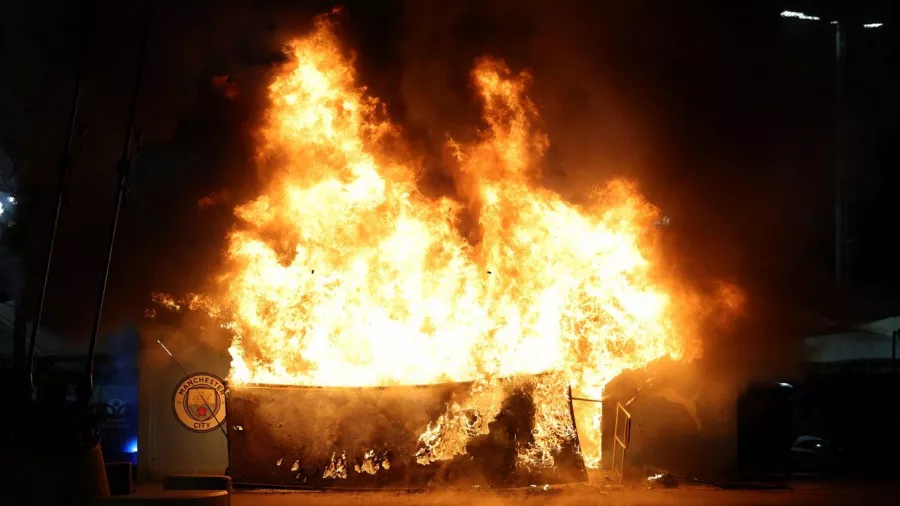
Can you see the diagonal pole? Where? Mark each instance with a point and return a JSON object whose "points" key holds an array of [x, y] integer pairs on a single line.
{"points": [[65, 169], [85, 390]]}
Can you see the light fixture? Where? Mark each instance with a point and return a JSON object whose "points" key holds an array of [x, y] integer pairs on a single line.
{"points": [[798, 15], [807, 17]]}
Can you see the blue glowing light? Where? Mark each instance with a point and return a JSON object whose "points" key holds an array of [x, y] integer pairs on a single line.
{"points": [[131, 446]]}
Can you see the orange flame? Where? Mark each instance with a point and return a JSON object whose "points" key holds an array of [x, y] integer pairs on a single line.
{"points": [[343, 273]]}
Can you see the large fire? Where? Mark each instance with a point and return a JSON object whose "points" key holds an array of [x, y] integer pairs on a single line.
{"points": [[343, 273]]}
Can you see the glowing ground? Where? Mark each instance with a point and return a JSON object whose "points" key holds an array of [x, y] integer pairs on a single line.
{"points": [[593, 493], [588, 494]]}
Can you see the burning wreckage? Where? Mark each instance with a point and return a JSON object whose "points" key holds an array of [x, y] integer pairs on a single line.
{"points": [[369, 437], [343, 285]]}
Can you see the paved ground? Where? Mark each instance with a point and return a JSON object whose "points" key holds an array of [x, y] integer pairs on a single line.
{"points": [[589, 494]]}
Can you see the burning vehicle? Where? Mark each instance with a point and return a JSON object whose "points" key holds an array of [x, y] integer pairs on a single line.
{"points": [[381, 337]]}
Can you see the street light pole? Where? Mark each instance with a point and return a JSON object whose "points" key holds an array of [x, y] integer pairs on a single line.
{"points": [[840, 204], [840, 211]]}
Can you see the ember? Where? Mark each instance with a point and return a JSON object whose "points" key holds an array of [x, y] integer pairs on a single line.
{"points": [[343, 274]]}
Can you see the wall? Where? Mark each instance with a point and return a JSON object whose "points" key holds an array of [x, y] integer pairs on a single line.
{"points": [[859, 345]]}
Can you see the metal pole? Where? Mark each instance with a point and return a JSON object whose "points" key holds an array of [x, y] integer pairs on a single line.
{"points": [[894, 336], [574, 423], [839, 206], [124, 165], [65, 170]]}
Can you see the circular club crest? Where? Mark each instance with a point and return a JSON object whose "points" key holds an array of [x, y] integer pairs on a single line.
{"points": [[199, 402]]}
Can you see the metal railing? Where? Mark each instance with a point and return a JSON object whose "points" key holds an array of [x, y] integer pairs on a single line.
{"points": [[622, 438]]}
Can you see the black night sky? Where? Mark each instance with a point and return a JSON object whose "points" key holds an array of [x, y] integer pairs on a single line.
{"points": [[721, 110]]}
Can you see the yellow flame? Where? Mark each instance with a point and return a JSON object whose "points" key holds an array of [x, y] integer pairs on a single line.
{"points": [[337, 468], [166, 301], [342, 273], [370, 463]]}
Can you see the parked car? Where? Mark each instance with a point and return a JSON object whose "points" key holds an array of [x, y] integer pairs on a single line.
{"points": [[813, 454]]}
